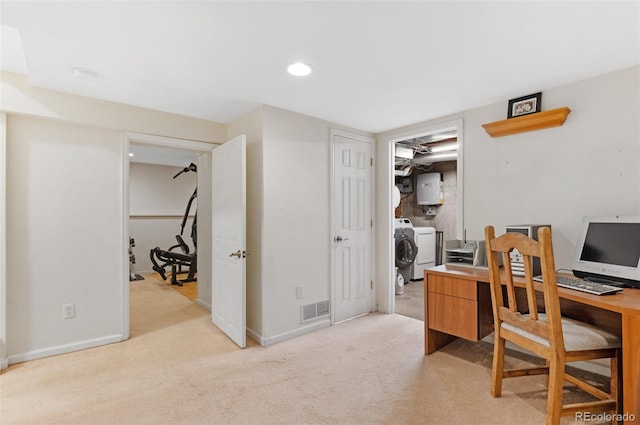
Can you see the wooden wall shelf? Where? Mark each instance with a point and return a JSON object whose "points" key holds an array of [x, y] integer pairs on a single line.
{"points": [[531, 122]]}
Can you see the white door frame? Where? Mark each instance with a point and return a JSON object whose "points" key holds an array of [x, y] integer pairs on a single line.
{"points": [[387, 297], [148, 139], [332, 224], [4, 360]]}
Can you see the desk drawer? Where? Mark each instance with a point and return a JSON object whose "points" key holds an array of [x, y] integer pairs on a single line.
{"points": [[453, 315], [451, 286]]}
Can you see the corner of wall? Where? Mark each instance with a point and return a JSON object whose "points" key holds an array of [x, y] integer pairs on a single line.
{"points": [[4, 361]]}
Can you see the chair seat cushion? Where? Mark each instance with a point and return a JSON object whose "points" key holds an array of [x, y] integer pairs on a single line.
{"points": [[578, 336]]}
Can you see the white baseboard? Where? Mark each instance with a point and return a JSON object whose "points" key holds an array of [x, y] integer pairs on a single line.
{"points": [[62, 349], [255, 336], [325, 323], [203, 304], [4, 363]]}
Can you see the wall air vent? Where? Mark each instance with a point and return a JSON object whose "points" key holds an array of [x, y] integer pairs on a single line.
{"points": [[314, 311], [322, 308]]}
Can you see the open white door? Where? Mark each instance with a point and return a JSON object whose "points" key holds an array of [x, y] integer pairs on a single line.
{"points": [[228, 289]]}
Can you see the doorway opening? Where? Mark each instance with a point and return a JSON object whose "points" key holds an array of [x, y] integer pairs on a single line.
{"points": [[163, 216], [427, 209], [152, 213]]}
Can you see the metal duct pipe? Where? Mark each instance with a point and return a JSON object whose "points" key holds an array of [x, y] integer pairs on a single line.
{"points": [[434, 157]]}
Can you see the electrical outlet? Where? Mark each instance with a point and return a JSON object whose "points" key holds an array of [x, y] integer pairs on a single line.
{"points": [[68, 311], [299, 292]]}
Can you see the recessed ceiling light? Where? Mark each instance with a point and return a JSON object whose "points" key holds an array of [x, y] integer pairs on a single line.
{"points": [[130, 153], [299, 69]]}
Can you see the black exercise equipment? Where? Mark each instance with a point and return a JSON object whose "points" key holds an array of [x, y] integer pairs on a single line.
{"points": [[132, 260], [177, 260]]}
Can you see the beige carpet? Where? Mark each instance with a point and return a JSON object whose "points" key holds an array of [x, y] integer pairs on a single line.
{"points": [[177, 368]]}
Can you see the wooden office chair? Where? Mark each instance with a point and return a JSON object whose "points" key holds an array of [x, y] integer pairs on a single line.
{"points": [[556, 339]]}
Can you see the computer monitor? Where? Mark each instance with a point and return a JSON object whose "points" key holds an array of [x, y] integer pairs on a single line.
{"points": [[608, 250]]}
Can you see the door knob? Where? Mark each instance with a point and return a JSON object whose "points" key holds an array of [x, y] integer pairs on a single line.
{"points": [[340, 239], [236, 254]]}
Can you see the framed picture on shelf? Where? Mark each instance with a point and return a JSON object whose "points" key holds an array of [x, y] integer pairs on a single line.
{"points": [[524, 105]]}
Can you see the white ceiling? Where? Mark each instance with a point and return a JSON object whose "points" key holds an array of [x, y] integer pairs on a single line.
{"points": [[377, 65]]}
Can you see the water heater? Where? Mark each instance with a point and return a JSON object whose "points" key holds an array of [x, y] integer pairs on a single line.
{"points": [[430, 189]]}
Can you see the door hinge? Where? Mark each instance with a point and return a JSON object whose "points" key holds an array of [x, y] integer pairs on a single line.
{"points": [[371, 161], [371, 284], [371, 223]]}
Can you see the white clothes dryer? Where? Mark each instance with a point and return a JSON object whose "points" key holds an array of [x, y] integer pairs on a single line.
{"points": [[405, 247], [425, 239]]}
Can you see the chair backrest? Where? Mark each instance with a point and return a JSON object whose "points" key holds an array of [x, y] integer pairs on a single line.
{"points": [[551, 328]]}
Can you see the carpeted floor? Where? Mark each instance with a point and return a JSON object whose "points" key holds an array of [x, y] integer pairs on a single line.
{"points": [[177, 368]]}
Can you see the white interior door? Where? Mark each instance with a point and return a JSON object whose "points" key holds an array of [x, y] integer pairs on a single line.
{"points": [[228, 293], [353, 226]]}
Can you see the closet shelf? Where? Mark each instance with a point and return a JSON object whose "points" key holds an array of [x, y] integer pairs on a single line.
{"points": [[531, 122]]}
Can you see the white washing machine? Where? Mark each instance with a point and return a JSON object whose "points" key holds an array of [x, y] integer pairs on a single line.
{"points": [[425, 239]]}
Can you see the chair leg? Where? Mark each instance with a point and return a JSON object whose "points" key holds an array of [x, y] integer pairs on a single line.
{"points": [[497, 369], [554, 396], [547, 377], [615, 382]]}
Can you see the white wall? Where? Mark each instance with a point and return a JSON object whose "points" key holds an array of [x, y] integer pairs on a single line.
{"points": [[296, 233], [288, 228], [589, 166], [157, 203], [4, 362], [66, 150], [64, 236]]}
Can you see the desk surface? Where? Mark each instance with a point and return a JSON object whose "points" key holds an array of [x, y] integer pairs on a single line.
{"points": [[626, 301]]}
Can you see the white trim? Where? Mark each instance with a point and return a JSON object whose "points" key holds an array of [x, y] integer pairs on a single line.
{"points": [[203, 304], [458, 125], [62, 349], [4, 361], [255, 336], [320, 324], [124, 271], [170, 142], [153, 140], [332, 229]]}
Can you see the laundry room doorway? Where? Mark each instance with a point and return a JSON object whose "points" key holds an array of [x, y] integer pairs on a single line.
{"points": [[426, 173]]}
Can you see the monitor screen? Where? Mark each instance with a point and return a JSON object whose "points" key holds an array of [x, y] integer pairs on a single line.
{"points": [[609, 248], [612, 243]]}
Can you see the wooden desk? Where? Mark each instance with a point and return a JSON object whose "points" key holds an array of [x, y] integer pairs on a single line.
{"points": [[457, 303]]}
